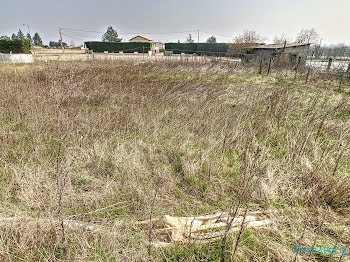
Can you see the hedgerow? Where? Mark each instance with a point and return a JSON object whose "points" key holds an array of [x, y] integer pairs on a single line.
{"points": [[126, 47], [209, 49], [15, 46]]}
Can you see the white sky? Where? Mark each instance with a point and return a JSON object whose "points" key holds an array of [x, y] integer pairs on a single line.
{"points": [[224, 19]]}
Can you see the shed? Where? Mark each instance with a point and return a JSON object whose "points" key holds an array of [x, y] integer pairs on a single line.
{"points": [[295, 51]]}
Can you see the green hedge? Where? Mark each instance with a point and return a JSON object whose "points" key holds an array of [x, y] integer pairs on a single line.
{"points": [[126, 47], [213, 49], [209, 49], [178, 48], [16, 46]]}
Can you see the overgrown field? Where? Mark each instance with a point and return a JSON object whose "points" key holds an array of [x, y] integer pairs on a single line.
{"points": [[103, 142]]}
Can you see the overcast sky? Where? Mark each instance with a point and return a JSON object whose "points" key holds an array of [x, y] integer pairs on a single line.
{"points": [[176, 18]]}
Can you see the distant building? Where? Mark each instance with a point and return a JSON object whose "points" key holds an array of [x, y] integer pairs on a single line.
{"points": [[295, 52], [141, 38], [156, 46]]}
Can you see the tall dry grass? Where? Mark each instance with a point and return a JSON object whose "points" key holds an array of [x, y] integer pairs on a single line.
{"points": [[93, 141]]}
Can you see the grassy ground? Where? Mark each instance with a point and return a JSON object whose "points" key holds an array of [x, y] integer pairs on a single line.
{"points": [[42, 50], [99, 141]]}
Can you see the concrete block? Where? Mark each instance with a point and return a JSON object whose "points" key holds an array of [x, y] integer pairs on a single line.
{"points": [[16, 58]]}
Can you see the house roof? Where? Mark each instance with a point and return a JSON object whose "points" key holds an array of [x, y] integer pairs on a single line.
{"points": [[279, 46], [147, 39]]}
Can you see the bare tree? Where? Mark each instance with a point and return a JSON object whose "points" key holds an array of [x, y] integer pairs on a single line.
{"points": [[281, 39], [240, 43], [307, 36], [248, 36]]}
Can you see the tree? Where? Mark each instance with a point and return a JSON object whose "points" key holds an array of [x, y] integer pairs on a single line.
{"points": [[29, 37], [63, 43], [4, 37], [248, 37], [307, 36], [111, 35], [13, 37], [56, 44], [211, 39], [37, 40], [326, 51], [281, 39], [189, 39], [53, 44], [20, 34], [240, 43]]}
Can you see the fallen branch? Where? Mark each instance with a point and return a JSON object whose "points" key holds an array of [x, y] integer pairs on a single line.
{"points": [[166, 229], [169, 230]]}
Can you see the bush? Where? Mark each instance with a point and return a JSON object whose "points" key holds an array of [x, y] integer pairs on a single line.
{"points": [[126, 47], [15, 46], [210, 49]]}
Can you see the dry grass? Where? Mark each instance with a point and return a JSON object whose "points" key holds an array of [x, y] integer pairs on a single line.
{"points": [[77, 137], [42, 50]]}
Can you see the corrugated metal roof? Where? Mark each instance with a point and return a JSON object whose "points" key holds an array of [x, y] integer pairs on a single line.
{"points": [[279, 46]]}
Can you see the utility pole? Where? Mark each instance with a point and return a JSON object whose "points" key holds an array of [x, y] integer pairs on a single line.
{"points": [[198, 36], [319, 48], [30, 35], [60, 32], [27, 27]]}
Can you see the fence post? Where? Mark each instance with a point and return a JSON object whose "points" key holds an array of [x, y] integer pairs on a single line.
{"points": [[348, 70], [341, 81], [296, 68], [329, 64], [307, 75], [269, 68], [261, 63], [14, 65]]}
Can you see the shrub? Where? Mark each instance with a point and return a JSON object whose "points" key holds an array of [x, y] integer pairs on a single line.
{"points": [[15, 46], [126, 47]]}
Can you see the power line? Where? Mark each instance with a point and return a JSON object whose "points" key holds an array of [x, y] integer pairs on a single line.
{"points": [[131, 33], [74, 37], [71, 29], [82, 34], [217, 34], [93, 33]]}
